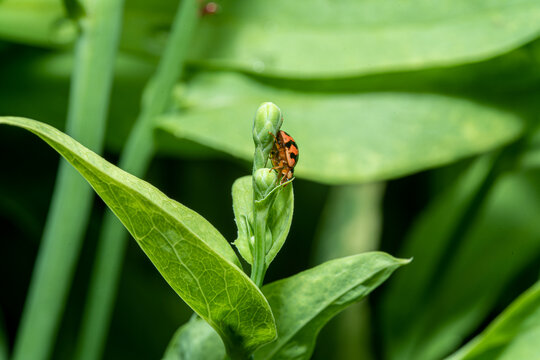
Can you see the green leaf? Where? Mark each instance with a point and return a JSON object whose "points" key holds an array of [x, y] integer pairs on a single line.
{"points": [[468, 257], [429, 237], [36, 22], [195, 340], [349, 37], [344, 138], [147, 25], [531, 155], [305, 302], [279, 218], [187, 250], [288, 39], [513, 335]]}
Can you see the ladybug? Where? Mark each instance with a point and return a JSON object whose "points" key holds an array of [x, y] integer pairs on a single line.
{"points": [[284, 155]]}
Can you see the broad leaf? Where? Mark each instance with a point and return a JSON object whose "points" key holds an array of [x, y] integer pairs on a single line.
{"points": [[279, 218], [466, 256], [348, 37], [195, 340], [187, 250], [344, 138], [36, 22], [284, 38], [305, 302], [513, 335]]}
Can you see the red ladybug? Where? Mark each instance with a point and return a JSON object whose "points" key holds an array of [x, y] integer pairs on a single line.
{"points": [[284, 155]]}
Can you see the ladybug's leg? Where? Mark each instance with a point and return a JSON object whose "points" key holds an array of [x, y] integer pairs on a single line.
{"points": [[280, 166], [279, 169], [287, 176], [271, 133], [276, 142]]}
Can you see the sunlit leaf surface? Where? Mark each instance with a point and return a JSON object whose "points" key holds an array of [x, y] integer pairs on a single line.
{"points": [[305, 302], [344, 138], [348, 37], [187, 250]]}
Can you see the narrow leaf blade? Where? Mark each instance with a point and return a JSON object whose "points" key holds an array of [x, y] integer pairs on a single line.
{"points": [[512, 335], [418, 321]]}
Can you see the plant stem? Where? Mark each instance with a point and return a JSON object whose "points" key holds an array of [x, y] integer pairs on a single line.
{"points": [[259, 257], [266, 124], [91, 82], [135, 158]]}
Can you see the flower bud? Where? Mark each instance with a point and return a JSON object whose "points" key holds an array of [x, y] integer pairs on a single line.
{"points": [[264, 182], [268, 120]]}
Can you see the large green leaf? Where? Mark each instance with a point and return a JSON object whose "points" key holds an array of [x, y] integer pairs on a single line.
{"points": [[284, 38], [344, 138], [195, 340], [305, 302], [513, 335], [466, 258], [350, 37], [187, 250], [36, 22], [279, 218]]}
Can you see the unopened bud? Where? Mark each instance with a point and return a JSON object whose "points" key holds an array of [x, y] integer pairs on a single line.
{"points": [[265, 181], [268, 120]]}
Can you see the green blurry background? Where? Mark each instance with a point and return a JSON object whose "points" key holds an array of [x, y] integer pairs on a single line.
{"points": [[416, 127]]}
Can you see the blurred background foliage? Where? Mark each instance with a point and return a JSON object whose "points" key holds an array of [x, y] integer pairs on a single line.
{"points": [[416, 123]]}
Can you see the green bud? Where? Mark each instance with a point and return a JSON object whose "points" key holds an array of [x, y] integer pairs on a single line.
{"points": [[265, 181], [268, 120]]}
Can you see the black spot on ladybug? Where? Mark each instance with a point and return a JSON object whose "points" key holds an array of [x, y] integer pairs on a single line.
{"points": [[290, 143], [293, 156]]}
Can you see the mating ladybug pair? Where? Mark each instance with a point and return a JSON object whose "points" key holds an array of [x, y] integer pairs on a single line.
{"points": [[284, 155]]}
